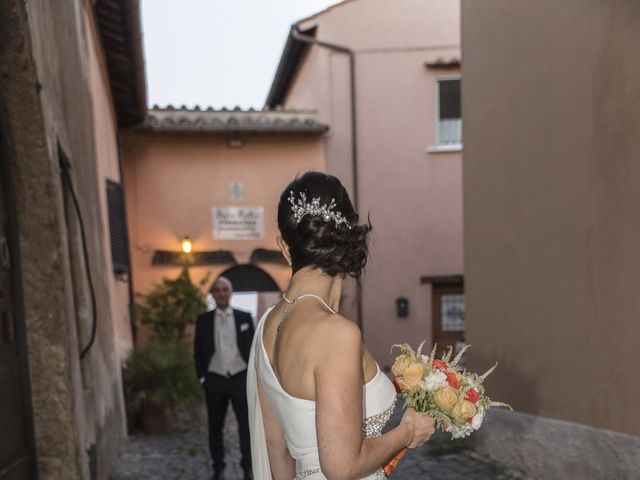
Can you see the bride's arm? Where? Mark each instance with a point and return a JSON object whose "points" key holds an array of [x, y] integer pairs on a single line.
{"points": [[282, 465], [344, 454]]}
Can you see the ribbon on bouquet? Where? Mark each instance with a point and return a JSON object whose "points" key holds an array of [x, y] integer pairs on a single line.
{"points": [[393, 463]]}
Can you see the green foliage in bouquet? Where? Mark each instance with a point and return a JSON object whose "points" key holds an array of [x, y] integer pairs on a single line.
{"points": [[172, 305]]}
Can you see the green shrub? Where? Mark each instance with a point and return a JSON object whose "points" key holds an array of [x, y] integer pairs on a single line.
{"points": [[172, 305], [162, 374]]}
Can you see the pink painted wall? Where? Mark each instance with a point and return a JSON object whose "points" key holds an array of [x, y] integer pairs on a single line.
{"points": [[107, 163], [414, 197], [551, 206], [173, 181]]}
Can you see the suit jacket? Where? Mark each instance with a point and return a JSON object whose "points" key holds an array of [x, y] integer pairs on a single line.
{"points": [[204, 345]]}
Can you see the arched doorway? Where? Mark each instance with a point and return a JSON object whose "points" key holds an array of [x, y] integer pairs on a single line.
{"points": [[254, 290]]}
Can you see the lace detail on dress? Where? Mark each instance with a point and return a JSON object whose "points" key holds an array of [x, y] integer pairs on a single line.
{"points": [[372, 426], [306, 473]]}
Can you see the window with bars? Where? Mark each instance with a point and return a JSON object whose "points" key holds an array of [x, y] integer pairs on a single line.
{"points": [[449, 124], [117, 228]]}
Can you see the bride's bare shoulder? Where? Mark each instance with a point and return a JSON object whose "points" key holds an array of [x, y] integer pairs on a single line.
{"points": [[335, 332]]}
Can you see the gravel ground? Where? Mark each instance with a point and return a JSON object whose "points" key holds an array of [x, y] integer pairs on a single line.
{"points": [[184, 455]]}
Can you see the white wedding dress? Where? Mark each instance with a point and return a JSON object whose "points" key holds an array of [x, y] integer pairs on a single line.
{"points": [[298, 416]]}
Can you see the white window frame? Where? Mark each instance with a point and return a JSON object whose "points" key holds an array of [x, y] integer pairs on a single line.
{"points": [[438, 148]]}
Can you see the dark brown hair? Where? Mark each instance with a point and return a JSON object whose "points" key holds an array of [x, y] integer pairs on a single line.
{"points": [[320, 243]]}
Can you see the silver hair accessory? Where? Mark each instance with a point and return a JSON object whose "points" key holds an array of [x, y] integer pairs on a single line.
{"points": [[301, 208]]}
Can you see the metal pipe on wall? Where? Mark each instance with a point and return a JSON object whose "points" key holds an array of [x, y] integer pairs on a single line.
{"points": [[298, 35]]}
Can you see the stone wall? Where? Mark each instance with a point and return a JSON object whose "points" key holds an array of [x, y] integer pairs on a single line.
{"points": [[45, 102]]}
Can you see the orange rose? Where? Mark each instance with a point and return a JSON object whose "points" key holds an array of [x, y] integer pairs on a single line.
{"points": [[463, 410], [452, 378], [413, 376], [400, 365], [446, 398], [472, 395], [440, 365]]}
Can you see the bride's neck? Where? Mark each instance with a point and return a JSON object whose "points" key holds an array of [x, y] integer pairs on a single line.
{"points": [[315, 281]]}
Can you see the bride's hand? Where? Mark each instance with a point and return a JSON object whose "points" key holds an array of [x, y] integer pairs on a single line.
{"points": [[421, 425]]}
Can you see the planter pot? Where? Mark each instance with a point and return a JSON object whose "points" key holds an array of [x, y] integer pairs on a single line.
{"points": [[156, 420]]}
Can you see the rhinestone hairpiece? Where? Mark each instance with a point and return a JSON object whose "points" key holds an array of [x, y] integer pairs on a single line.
{"points": [[301, 207]]}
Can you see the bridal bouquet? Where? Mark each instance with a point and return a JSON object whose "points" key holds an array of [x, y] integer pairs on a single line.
{"points": [[455, 398]]}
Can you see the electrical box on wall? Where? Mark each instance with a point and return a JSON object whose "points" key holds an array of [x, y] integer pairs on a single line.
{"points": [[402, 307]]}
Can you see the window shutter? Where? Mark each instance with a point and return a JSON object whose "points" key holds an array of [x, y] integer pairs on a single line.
{"points": [[117, 228]]}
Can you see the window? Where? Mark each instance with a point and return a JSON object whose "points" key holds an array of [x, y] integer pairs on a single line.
{"points": [[117, 228], [449, 112]]}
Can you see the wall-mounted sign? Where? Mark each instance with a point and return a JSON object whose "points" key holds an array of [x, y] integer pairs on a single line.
{"points": [[238, 223], [236, 191]]}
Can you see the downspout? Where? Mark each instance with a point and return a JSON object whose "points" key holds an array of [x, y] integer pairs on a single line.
{"points": [[298, 35]]}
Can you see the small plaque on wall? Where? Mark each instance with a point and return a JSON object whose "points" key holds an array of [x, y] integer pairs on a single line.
{"points": [[238, 223], [236, 191]]}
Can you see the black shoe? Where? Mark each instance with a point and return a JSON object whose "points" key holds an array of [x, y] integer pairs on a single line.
{"points": [[219, 475]]}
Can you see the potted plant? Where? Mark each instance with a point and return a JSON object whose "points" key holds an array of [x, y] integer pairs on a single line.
{"points": [[159, 376], [172, 306]]}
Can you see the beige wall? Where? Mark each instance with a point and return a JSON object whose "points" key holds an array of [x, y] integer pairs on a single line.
{"points": [[551, 94], [414, 197], [173, 181]]}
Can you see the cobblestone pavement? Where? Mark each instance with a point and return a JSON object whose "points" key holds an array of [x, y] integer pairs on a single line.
{"points": [[181, 455], [185, 456]]}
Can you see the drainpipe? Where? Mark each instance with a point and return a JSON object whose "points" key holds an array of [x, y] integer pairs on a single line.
{"points": [[298, 35]]}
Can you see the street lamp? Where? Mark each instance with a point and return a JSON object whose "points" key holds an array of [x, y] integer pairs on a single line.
{"points": [[186, 244]]}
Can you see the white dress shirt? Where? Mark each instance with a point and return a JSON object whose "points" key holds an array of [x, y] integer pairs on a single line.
{"points": [[226, 360]]}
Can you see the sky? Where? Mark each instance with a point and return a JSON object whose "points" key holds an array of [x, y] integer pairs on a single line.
{"points": [[219, 53]]}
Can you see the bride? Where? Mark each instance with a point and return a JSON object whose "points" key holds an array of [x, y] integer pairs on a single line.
{"points": [[317, 399]]}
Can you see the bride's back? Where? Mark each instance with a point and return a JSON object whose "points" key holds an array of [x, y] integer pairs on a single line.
{"points": [[297, 347], [310, 372]]}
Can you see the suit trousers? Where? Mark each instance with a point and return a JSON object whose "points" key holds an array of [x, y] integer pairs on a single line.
{"points": [[219, 390]]}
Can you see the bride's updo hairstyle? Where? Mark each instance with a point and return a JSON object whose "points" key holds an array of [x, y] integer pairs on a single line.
{"points": [[317, 221]]}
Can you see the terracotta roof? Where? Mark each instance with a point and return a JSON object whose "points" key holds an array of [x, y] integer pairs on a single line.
{"points": [[119, 27], [197, 120]]}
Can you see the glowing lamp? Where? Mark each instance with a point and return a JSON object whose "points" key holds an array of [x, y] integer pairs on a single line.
{"points": [[186, 245]]}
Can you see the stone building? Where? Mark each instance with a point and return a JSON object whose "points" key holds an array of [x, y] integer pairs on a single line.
{"points": [[71, 78], [552, 227], [385, 77]]}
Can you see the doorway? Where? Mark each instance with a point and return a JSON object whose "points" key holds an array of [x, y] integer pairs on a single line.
{"points": [[254, 290], [448, 312], [17, 460]]}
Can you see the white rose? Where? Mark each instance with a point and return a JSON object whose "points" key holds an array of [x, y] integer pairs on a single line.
{"points": [[477, 419], [434, 380]]}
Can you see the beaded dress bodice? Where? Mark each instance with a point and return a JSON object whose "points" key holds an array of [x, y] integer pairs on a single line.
{"points": [[297, 415]]}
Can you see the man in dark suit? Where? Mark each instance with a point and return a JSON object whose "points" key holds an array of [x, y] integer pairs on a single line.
{"points": [[221, 351]]}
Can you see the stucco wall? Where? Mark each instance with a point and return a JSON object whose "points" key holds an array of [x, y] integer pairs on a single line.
{"points": [[107, 159], [414, 197], [173, 181], [48, 100], [551, 178]]}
